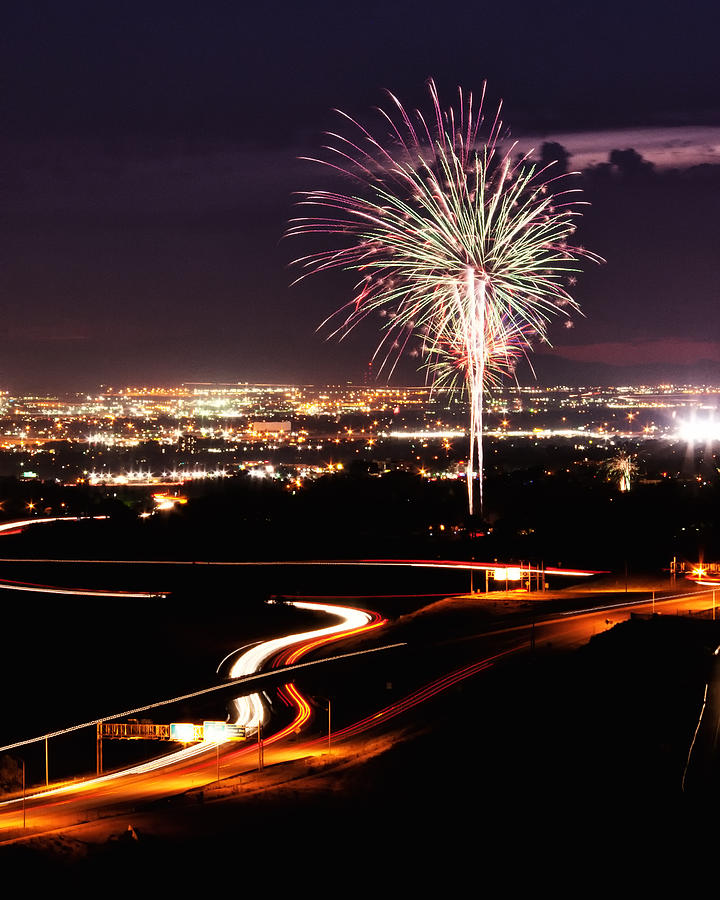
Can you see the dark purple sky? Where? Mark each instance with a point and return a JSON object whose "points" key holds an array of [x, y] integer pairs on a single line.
{"points": [[149, 154]]}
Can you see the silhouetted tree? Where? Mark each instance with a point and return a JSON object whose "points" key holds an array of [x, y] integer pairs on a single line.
{"points": [[552, 153], [630, 164]]}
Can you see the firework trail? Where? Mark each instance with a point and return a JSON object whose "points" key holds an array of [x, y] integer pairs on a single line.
{"points": [[457, 244]]}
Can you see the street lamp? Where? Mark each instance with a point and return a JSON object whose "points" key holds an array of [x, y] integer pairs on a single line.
{"points": [[261, 752]]}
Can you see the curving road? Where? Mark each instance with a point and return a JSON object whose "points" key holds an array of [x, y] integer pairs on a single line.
{"points": [[200, 764]]}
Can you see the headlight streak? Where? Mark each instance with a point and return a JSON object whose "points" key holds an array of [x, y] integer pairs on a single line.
{"points": [[444, 564], [187, 754], [624, 603], [23, 523], [192, 695], [303, 709], [410, 563], [250, 709], [292, 656], [454, 564], [353, 621], [233, 653], [82, 592]]}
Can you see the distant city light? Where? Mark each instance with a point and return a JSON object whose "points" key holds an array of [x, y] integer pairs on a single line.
{"points": [[424, 434], [698, 431], [168, 501], [158, 438]]}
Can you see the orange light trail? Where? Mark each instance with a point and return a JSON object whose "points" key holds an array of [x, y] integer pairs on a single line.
{"points": [[421, 695]]}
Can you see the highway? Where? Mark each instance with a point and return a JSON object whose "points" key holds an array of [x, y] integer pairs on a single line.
{"points": [[197, 764], [200, 764]]}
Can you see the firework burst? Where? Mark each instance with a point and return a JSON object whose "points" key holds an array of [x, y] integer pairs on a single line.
{"points": [[621, 470], [456, 243]]}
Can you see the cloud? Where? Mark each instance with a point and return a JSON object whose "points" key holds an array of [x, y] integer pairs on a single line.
{"points": [[671, 147], [675, 352]]}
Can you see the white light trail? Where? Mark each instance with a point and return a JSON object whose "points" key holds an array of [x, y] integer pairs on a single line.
{"points": [[410, 563], [82, 592], [23, 523], [256, 656], [250, 709], [424, 434]]}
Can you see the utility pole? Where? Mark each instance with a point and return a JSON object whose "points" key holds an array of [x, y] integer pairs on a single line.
{"points": [[260, 748], [329, 724], [47, 775], [98, 751]]}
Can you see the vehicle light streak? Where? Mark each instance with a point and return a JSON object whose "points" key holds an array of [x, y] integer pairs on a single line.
{"points": [[257, 676], [695, 734], [622, 604], [12, 527], [190, 755], [291, 648], [410, 563], [353, 621], [423, 693], [456, 564], [250, 709], [90, 592]]}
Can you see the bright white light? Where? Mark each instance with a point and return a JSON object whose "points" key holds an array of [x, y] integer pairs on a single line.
{"points": [[507, 573], [214, 732], [696, 431], [427, 434], [183, 732], [250, 709]]}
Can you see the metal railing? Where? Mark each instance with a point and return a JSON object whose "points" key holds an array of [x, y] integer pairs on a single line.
{"points": [[128, 731]]}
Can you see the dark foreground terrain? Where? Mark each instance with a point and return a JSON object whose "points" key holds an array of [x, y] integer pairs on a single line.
{"points": [[547, 757]]}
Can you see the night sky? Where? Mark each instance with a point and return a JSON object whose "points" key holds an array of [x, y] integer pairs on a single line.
{"points": [[149, 153]]}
